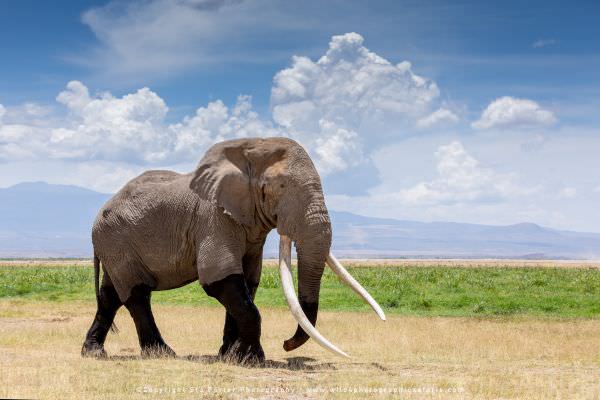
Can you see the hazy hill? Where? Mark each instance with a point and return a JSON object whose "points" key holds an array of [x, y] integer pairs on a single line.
{"points": [[42, 220]]}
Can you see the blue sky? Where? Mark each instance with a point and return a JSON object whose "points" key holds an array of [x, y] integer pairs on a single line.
{"points": [[471, 111]]}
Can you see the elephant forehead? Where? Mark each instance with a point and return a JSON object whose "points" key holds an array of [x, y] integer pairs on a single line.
{"points": [[280, 168]]}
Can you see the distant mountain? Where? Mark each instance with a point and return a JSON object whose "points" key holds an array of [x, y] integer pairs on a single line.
{"points": [[372, 237], [43, 220]]}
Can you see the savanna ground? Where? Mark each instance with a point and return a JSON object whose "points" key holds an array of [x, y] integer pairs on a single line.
{"points": [[505, 329]]}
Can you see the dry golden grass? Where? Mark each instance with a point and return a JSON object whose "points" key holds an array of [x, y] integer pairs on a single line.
{"points": [[509, 358]]}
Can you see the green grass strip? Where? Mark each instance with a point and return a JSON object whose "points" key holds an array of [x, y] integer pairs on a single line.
{"points": [[427, 291]]}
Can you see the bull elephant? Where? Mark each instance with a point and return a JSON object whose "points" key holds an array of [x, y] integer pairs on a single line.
{"points": [[163, 230]]}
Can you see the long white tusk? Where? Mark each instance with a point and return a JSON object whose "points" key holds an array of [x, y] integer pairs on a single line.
{"points": [[285, 272], [345, 276]]}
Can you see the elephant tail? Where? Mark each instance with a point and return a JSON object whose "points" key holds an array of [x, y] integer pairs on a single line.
{"points": [[113, 327], [97, 277]]}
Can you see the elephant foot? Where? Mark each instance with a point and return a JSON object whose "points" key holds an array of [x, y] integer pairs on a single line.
{"points": [[242, 353], [93, 350], [227, 346], [158, 351]]}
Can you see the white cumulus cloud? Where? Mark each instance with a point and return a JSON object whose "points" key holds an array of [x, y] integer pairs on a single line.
{"points": [[461, 178], [510, 112], [129, 129], [215, 123], [348, 100], [107, 127], [441, 116]]}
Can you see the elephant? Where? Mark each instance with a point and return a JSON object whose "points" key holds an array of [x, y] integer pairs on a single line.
{"points": [[164, 230]]}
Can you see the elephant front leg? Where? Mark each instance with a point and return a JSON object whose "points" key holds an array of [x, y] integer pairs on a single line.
{"points": [[241, 339], [230, 335], [230, 331]]}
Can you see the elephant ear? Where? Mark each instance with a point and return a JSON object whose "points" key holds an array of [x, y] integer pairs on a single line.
{"points": [[222, 178]]}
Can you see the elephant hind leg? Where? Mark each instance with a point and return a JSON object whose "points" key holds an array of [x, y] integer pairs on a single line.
{"points": [[108, 304], [151, 342]]}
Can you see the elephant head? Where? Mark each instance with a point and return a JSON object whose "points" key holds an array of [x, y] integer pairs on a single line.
{"points": [[272, 183]]}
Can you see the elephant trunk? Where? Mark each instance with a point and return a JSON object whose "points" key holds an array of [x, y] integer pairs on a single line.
{"points": [[312, 251], [313, 241]]}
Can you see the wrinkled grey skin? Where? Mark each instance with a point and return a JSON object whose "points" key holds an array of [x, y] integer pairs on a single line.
{"points": [[165, 229]]}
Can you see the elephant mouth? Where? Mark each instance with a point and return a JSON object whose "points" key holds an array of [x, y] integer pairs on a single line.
{"points": [[285, 273]]}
